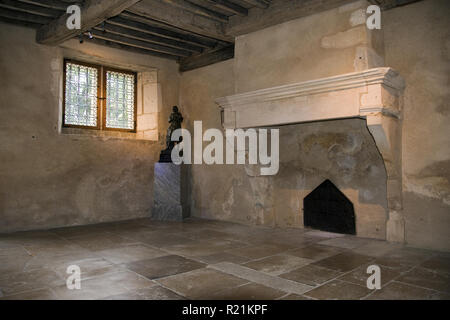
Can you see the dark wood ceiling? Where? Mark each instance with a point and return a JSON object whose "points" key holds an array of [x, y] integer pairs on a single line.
{"points": [[192, 32]]}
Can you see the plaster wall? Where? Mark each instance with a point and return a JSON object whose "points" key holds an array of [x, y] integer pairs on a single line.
{"points": [[417, 39], [50, 179], [341, 150], [414, 40], [321, 45]]}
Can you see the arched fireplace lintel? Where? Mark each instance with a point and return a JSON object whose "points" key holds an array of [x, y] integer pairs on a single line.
{"points": [[374, 94]]}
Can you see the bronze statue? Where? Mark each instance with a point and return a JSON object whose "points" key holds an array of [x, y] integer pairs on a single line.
{"points": [[175, 121]]}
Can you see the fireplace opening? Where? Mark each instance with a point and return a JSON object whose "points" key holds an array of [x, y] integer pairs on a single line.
{"points": [[326, 208]]}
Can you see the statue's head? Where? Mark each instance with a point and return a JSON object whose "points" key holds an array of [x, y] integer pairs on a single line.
{"points": [[174, 109]]}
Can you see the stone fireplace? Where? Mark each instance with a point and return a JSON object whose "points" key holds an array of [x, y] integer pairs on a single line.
{"points": [[372, 95]]}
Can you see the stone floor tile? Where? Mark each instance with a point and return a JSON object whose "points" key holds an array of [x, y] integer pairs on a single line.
{"points": [[408, 256], [258, 251], [13, 259], [311, 275], [251, 291], [30, 280], [401, 291], [347, 242], [439, 263], [278, 264], [163, 266], [195, 248], [102, 241], [130, 253], [200, 283], [221, 257], [154, 293], [360, 275], [343, 262], [376, 248], [338, 290], [40, 294], [160, 238], [426, 278], [101, 287], [90, 267], [261, 278], [316, 252], [294, 296], [322, 234], [208, 234]]}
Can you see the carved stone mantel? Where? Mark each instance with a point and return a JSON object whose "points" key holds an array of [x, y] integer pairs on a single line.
{"points": [[373, 94]]}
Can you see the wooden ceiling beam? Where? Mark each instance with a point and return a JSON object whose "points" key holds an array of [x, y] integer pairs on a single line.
{"points": [[263, 4], [93, 13], [278, 12], [139, 23], [181, 19], [207, 58], [22, 23], [229, 6], [199, 10], [139, 35], [97, 34], [52, 4], [30, 8], [132, 49], [23, 16]]}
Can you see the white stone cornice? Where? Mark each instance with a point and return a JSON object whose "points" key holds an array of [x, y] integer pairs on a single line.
{"points": [[386, 76]]}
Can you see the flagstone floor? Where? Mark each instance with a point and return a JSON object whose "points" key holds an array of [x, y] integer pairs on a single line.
{"points": [[203, 259]]}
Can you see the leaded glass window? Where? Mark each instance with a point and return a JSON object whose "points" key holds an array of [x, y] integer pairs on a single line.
{"points": [[120, 89], [99, 97], [81, 89]]}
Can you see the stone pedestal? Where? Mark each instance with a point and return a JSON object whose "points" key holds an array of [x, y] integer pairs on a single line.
{"points": [[170, 198]]}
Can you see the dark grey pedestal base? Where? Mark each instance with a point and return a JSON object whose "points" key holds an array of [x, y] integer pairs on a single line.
{"points": [[170, 192]]}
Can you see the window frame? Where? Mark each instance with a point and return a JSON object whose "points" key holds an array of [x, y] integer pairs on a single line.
{"points": [[105, 70], [90, 65], [101, 96]]}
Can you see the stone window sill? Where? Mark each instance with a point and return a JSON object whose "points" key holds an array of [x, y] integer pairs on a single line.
{"points": [[104, 134]]}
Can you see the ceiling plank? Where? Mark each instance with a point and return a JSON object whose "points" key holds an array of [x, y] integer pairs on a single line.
{"points": [[29, 8], [199, 10], [93, 13], [139, 35], [278, 12], [207, 58], [258, 3], [390, 4], [132, 49], [20, 22], [181, 19], [142, 24], [230, 7], [23, 16], [53, 4], [139, 43]]}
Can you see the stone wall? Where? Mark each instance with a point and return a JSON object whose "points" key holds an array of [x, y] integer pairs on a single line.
{"points": [[341, 150], [417, 39], [330, 43], [414, 40], [49, 178]]}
